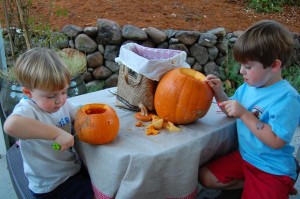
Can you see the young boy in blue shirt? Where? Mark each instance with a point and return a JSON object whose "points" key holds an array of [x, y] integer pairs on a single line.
{"points": [[267, 109]]}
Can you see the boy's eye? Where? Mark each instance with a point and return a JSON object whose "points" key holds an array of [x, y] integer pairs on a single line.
{"points": [[247, 67], [50, 96]]}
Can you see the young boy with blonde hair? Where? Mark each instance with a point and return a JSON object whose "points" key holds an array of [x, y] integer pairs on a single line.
{"points": [[43, 117]]}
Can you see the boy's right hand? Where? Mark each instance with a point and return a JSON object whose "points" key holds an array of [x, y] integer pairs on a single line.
{"points": [[64, 140]]}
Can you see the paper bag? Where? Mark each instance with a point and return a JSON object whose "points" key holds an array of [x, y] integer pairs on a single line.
{"points": [[140, 70]]}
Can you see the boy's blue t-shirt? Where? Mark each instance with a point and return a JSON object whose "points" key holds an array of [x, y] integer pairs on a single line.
{"points": [[279, 106]]}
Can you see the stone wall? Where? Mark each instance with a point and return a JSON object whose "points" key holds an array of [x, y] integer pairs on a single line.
{"points": [[207, 51]]}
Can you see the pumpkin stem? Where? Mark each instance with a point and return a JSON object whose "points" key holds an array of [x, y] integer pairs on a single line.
{"points": [[144, 110]]}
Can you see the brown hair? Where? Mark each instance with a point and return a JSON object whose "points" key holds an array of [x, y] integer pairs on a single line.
{"points": [[264, 41], [42, 68]]}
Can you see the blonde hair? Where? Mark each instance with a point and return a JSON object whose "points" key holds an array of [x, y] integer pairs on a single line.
{"points": [[42, 68], [264, 41]]}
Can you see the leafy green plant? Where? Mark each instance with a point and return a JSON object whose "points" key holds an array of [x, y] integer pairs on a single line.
{"points": [[292, 2], [233, 78], [40, 32], [292, 74], [266, 6]]}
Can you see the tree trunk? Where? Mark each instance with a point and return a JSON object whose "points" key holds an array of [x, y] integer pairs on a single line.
{"points": [[8, 29], [21, 14]]}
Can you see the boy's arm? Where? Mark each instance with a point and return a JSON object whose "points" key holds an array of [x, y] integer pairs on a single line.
{"points": [[27, 128], [262, 131], [216, 84]]}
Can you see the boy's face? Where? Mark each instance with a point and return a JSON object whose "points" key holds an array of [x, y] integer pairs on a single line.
{"points": [[50, 102], [255, 75]]}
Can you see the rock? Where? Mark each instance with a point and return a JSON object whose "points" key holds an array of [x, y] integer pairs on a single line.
{"points": [[112, 81], [91, 31], [87, 76], [71, 30], [85, 44], [190, 60], [212, 68], [112, 66], [199, 53], [179, 47], [95, 59], [156, 35], [109, 32], [134, 33], [212, 52], [101, 72], [111, 52], [207, 39], [222, 45], [198, 67], [187, 37], [219, 32]]}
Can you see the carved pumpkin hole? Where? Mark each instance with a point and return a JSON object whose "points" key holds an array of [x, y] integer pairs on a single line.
{"points": [[92, 111], [190, 73]]}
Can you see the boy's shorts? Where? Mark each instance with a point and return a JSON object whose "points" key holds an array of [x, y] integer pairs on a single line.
{"points": [[257, 184], [76, 187]]}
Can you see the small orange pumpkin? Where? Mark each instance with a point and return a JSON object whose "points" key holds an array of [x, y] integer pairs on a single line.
{"points": [[96, 124], [182, 96]]}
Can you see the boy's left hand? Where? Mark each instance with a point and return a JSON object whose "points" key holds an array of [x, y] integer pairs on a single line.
{"points": [[233, 108]]}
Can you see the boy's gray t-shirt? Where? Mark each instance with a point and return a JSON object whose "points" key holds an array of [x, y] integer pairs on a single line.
{"points": [[44, 167]]}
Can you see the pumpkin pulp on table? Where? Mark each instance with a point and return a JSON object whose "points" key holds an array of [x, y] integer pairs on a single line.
{"points": [[143, 115]]}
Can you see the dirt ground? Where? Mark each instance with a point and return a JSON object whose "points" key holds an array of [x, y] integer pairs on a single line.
{"points": [[201, 15]]}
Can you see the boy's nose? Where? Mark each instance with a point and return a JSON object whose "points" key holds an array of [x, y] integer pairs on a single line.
{"points": [[242, 71], [59, 99]]}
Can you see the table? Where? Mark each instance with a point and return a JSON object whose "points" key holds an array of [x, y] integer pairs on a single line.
{"points": [[138, 166]]}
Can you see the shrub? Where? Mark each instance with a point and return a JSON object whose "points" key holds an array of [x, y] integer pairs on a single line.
{"points": [[292, 74], [268, 6]]}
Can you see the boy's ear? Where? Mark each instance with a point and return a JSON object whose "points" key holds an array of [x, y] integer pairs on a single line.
{"points": [[276, 65], [26, 92]]}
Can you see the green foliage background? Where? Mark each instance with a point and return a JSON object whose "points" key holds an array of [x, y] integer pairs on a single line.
{"points": [[268, 6], [290, 73]]}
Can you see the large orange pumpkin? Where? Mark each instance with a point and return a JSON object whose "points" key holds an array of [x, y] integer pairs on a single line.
{"points": [[182, 96], [96, 123]]}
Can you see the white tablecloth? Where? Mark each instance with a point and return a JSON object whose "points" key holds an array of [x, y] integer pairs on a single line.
{"points": [[138, 166]]}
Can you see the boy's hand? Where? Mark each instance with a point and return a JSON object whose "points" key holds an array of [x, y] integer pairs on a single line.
{"points": [[233, 108], [63, 141], [215, 83]]}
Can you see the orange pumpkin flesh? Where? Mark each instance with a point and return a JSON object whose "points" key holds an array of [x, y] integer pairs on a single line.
{"points": [[96, 124], [182, 96], [144, 118], [143, 115]]}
